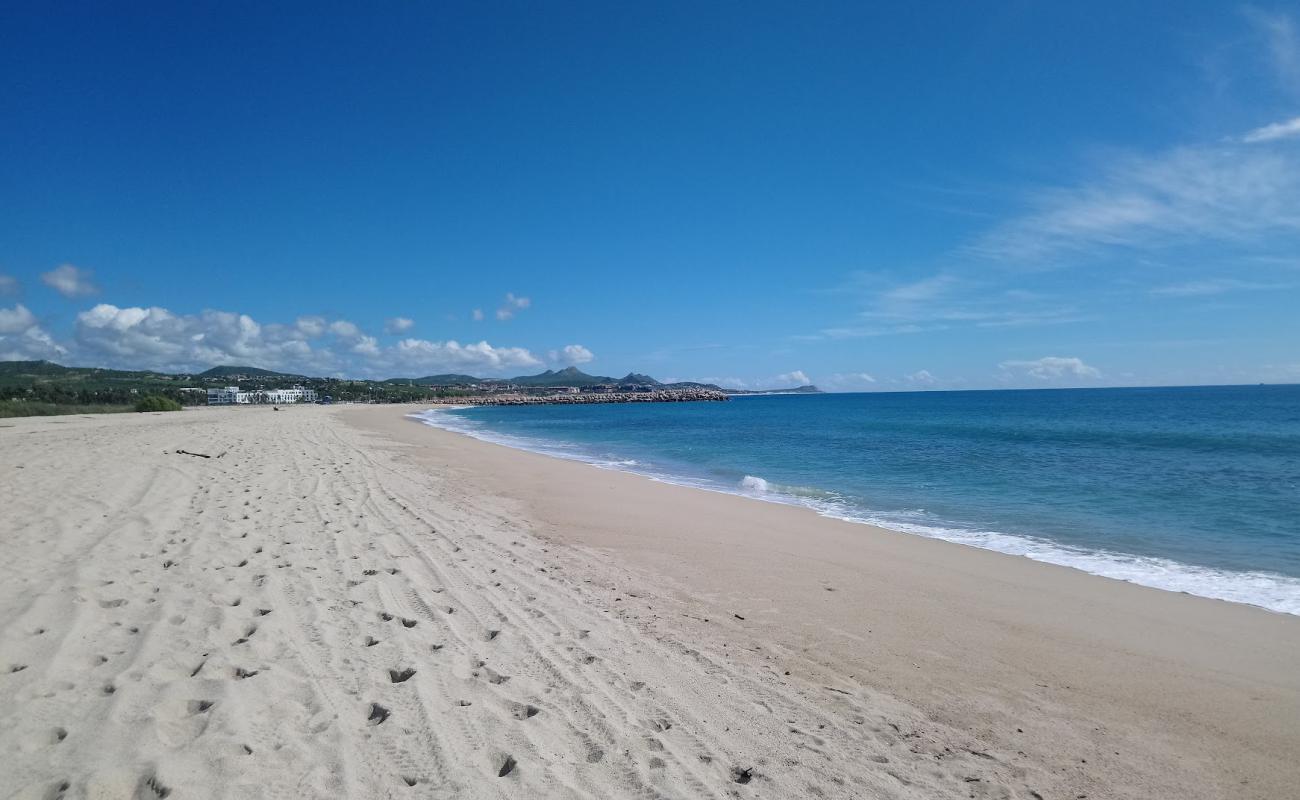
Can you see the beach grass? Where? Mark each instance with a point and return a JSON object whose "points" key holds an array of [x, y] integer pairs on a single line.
{"points": [[25, 408]]}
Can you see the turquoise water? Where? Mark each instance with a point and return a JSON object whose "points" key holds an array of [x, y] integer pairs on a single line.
{"points": [[1190, 489]]}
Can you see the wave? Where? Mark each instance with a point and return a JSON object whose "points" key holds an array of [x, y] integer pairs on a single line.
{"points": [[1272, 591]]}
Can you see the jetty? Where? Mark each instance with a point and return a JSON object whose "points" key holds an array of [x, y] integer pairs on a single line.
{"points": [[583, 398]]}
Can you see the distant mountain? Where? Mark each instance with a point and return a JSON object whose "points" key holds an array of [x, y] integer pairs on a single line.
{"points": [[226, 371], [569, 376], [636, 377]]}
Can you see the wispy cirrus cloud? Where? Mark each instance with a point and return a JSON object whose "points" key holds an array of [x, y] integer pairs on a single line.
{"points": [[1280, 37], [1214, 286], [939, 302], [1274, 131], [1225, 193]]}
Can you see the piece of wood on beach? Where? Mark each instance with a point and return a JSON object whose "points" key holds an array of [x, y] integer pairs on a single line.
{"points": [[188, 453]]}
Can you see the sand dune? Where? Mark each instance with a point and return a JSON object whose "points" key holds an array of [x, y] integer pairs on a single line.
{"points": [[306, 614]]}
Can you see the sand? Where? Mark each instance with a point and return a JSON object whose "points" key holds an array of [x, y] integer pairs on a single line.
{"points": [[344, 603]]}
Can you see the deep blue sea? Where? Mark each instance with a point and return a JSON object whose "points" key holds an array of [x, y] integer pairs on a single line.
{"points": [[1191, 489]]}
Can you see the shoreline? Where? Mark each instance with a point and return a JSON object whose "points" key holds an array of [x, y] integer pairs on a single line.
{"points": [[980, 640], [345, 604], [1264, 590]]}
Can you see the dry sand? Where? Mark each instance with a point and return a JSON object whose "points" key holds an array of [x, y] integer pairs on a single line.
{"points": [[349, 604]]}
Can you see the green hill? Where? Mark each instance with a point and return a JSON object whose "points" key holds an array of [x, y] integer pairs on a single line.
{"points": [[226, 371], [449, 379], [636, 377]]}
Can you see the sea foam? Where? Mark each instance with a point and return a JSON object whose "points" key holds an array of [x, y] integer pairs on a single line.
{"points": [[1267, 590]]}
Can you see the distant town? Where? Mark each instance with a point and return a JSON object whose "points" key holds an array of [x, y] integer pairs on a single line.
{"points": [[28, 387]]}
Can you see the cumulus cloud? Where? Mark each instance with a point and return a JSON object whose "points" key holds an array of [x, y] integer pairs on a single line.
{"points": [[922, 377], [311, 327], [345, 329], [70, 281], [1273, 132], [512, 305], [571, 354], [365, 346], [8, 285], [16, 319], [452, 355], [1051, 367], [398, 325], [795, 378], [23, 339]]}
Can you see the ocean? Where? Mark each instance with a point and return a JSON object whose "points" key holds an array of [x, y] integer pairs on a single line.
{"points": [[1190, 489]]}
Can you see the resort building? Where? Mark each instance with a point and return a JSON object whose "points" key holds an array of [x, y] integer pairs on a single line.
{"points": [[232, 396], [225, 396]]}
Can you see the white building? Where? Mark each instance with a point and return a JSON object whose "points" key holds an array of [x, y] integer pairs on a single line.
{"points": [[230, 396], [226, 396], [297, 394]]}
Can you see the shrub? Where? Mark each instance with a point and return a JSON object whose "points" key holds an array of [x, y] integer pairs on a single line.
{"points": [[156, 403]]}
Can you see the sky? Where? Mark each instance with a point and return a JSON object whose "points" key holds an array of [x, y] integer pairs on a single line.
{"points": [[909, 196]]}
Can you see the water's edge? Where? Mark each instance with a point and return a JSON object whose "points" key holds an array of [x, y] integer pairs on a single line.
{"points": [[1271, 591]]}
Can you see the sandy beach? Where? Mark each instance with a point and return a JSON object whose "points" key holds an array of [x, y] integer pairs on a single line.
{"points": [[341, 602]]}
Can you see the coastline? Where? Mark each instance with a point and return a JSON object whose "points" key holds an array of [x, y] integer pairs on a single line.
{"points": [[980, 640], [342, 602], [1261, 589]]}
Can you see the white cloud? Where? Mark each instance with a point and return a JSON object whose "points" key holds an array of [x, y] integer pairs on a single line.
{"points": [[795, 378], [23, 339], [1213, 286], [512, 305], [156, 338], [33, 344], [922, 378], [1273, 132], [1227, 193], [365, 346], [571, 354], [16, 320], [1051, 367], [310, 327], [70, 281], [344, 329], [8, 284], [451, 355], [940, 302], [477, 314], [399, 325]]}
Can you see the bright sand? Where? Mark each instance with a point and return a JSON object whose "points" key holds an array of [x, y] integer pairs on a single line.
{"points": [[245, 626]]}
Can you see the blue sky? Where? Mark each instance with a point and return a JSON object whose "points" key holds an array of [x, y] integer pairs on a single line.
{"points": [[937, 196]]}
